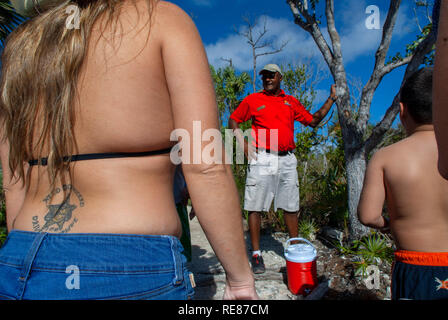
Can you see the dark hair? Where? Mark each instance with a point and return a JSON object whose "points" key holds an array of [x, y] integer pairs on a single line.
{"points": [[416, 94]]}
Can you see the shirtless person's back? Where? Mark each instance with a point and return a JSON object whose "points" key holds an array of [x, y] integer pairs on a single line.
{"points": [[132, 73], [405, 176]]}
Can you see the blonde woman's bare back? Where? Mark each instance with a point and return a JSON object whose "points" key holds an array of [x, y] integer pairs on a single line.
{"points": [[124, 106], [133, 92]]}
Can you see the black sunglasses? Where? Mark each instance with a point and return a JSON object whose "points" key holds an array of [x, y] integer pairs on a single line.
{"points": [[268, 75]]}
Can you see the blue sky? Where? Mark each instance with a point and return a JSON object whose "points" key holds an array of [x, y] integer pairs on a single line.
{"points": [[217, 21]]}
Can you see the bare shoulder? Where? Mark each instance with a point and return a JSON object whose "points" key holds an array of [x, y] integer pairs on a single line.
{"points": [[394, 150], [174, 26], [379, 158], [390, 155], [169, 7], [168, 13], [162, 14]]}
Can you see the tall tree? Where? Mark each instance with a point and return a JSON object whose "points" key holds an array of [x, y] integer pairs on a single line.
{"points": [[357, 144], [229, 87], [258, 44], [298, 82]]}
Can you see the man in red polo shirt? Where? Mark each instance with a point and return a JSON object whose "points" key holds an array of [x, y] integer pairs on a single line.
{"points": [[272, 172]]}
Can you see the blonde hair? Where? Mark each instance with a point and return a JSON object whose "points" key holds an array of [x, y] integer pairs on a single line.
{"points": [[41, 61]]}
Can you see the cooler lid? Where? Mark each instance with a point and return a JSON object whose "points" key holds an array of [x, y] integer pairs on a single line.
{"points": [[300, 253]]}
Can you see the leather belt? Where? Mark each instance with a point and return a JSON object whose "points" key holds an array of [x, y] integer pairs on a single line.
{"points": [[278, 153]]}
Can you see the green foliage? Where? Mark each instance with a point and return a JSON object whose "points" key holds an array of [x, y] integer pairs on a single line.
{"points": [[410, 48], [229, 88], [324, 191], [275, 220], [396, 58], [305, 141], [297, 82], [3, 233], [425, 6], [308, 228], [373, 249]]}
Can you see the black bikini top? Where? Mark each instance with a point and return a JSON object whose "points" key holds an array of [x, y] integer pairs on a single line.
{"points": [[94, 156]]}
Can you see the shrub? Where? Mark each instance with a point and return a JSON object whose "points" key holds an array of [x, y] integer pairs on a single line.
{"points": [[370, 250], [308, 228]]}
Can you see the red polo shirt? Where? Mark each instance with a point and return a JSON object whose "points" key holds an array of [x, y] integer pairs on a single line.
{"points": [[267, 112]]}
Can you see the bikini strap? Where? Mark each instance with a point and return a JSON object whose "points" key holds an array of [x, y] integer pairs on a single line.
{"points": [[94, 156]]}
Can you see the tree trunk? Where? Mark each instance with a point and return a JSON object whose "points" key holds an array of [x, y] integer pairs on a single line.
{"points": [[356, 167], [254, 80], [355, 163], [356, 147]]}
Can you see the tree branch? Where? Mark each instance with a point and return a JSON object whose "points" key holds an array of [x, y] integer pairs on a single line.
{"points": [[334, 62], [310, 25], [388, 29], [334, 35], [417, 21], [393, 65], [283, 45], [261, 34], [379, 69], [255, 44]]}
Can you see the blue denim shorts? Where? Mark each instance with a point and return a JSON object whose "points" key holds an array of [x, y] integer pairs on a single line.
{"points": [[42, 266]]}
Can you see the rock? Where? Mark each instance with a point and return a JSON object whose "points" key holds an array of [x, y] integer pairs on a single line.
{"points": [[335, 274], [319, 291], [332, 234]]}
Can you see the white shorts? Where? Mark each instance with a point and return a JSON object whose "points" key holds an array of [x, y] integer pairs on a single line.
{"points": [[271, 177]]}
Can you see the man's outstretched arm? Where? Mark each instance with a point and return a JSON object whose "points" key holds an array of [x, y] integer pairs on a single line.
{"points": [[320, 114]]}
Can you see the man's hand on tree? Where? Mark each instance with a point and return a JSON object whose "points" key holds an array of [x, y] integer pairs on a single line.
{"points": [[333, 95]]}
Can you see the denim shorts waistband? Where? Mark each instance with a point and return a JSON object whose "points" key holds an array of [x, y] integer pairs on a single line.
{"points": [[93, 252]]}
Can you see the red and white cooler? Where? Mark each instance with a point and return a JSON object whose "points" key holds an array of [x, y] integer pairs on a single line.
{"points": [[301, 266]]}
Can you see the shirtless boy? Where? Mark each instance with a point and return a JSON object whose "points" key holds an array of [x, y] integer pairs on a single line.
{"points": [[405, 175]]}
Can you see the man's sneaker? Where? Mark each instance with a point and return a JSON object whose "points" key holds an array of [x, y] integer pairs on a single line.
{"points": [[258, 264]]}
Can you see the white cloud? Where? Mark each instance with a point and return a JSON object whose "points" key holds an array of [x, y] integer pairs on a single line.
{"points": [[356, 39], [300, 46], [359, 41]]}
